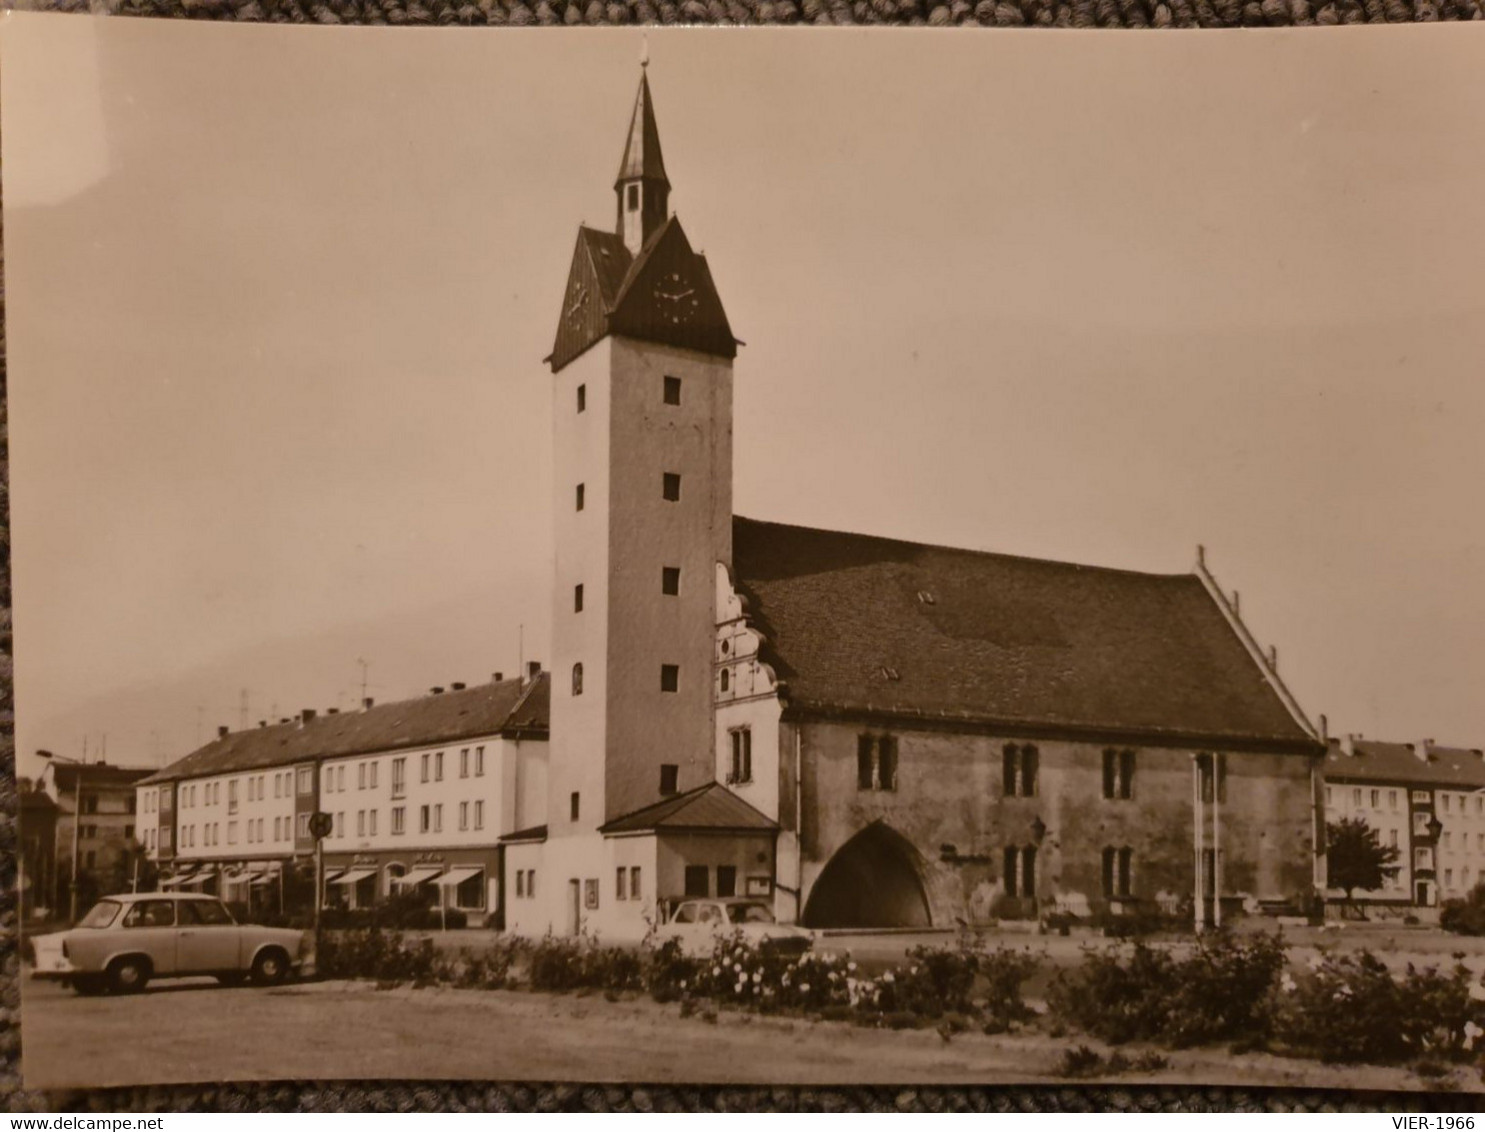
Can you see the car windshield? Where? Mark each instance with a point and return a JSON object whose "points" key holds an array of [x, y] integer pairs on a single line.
{"points": [[101, 914], [749, 914]]}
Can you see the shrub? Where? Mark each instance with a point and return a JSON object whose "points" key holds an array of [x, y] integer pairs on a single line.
{"points": [[1466, 916], [1220, 991], [669, 973], [1223, 990], [1112, 999], [1079, 1061], [371, 953], [1351, 1008], [1001, 973], [561, 963], [491, 968], [932, 983]]}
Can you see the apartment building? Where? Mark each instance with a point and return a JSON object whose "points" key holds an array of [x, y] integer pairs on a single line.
{"points": [[1426, 800], [418, 793]]}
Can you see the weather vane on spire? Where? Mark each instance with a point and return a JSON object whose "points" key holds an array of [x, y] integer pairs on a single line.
{"points": [[644, 51]]}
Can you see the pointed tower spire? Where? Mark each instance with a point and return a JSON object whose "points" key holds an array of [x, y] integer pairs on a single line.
{"points": [[642, 186]]}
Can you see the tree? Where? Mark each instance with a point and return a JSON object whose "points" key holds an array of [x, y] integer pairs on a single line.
{"points": [[1356, 857]]}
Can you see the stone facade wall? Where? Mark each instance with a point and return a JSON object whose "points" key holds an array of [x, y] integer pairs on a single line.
{"points": [[949, 803]]}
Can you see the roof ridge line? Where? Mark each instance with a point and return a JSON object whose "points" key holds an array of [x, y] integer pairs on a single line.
{"points": [[970, 550]]}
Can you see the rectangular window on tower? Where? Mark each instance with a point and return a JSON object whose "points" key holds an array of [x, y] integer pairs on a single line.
{"points": [[579, 497], [670, 486], [670, 580], [582, 398], [633, 195], [672, 390], [577, 598], [574, 805], [669, 776], [670, 677]]}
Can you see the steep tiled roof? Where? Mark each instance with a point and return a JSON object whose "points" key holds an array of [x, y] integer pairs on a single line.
{"points": [[709, 807], [855, 623], [611, 292], [486, 709], [1455, 767]]}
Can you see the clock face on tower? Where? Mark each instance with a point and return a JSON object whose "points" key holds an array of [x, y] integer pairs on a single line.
{"points": [[676, 298], [575, 308]]}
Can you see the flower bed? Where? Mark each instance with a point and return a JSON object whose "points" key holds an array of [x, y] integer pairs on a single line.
{"points": [[1343, 1008]]}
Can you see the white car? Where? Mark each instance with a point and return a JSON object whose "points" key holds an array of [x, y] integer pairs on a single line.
{"points": [[125, 941], [698, 924]]}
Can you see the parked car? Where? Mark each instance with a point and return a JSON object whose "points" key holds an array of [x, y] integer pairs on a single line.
{"points": [[125, 941], [698, 924]]}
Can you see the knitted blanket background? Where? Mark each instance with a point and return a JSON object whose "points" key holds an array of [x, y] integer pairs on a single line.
{"points": [[637, 1097]]}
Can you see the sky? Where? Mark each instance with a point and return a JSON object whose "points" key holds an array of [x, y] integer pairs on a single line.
{"points": [[278, 299]]}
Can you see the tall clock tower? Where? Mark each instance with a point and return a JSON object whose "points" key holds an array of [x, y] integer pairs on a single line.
{"points": [[642, 405]]}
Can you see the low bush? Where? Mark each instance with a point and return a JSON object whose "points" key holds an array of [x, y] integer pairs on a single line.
{"points": [[1465, 916], [490, 968], [1352, 1009], [563, 963], [1082, 1061], [669, 973], [1220, 991], [371, 953]]}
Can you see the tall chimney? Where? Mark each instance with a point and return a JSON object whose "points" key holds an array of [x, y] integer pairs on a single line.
{"points": [[222, 731], [367, 703], [533, 669], [1348, 745], [1422, 749], [306, 715]]}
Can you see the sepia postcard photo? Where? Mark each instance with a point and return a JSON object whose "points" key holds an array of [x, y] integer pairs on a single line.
{"points": [[747, 556]]}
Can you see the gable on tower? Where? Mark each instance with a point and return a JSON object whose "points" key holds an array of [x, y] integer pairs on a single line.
{"points": [[643, 280]]}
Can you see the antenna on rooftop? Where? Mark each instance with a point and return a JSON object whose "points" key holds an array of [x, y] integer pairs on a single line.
{"points": [[644, 50], [242, 710], [364, 666]]}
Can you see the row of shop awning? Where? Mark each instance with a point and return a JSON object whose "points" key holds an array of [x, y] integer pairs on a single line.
{"points": [[423, 874], [253, 877]]}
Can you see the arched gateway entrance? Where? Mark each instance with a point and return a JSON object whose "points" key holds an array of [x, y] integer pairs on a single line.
{"points": [[871, 882]]}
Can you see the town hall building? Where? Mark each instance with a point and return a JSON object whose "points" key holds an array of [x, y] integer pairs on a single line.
{"points": [[862, 731]]}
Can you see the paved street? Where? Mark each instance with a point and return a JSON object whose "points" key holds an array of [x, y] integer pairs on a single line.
{"points": [[194, 1030]]}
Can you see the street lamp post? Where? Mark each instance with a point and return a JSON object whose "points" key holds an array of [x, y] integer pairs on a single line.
{"points": [[76, 826]]}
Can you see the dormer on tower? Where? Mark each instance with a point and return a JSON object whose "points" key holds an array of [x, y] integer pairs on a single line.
{"points": [[642, 187]]}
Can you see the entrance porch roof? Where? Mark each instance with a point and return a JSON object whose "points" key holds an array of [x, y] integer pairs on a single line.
{"points": [[707, 809]]}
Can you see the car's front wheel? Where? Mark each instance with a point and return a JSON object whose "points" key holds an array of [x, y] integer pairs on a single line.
{"points": [[129, 975], [270, 967]]}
